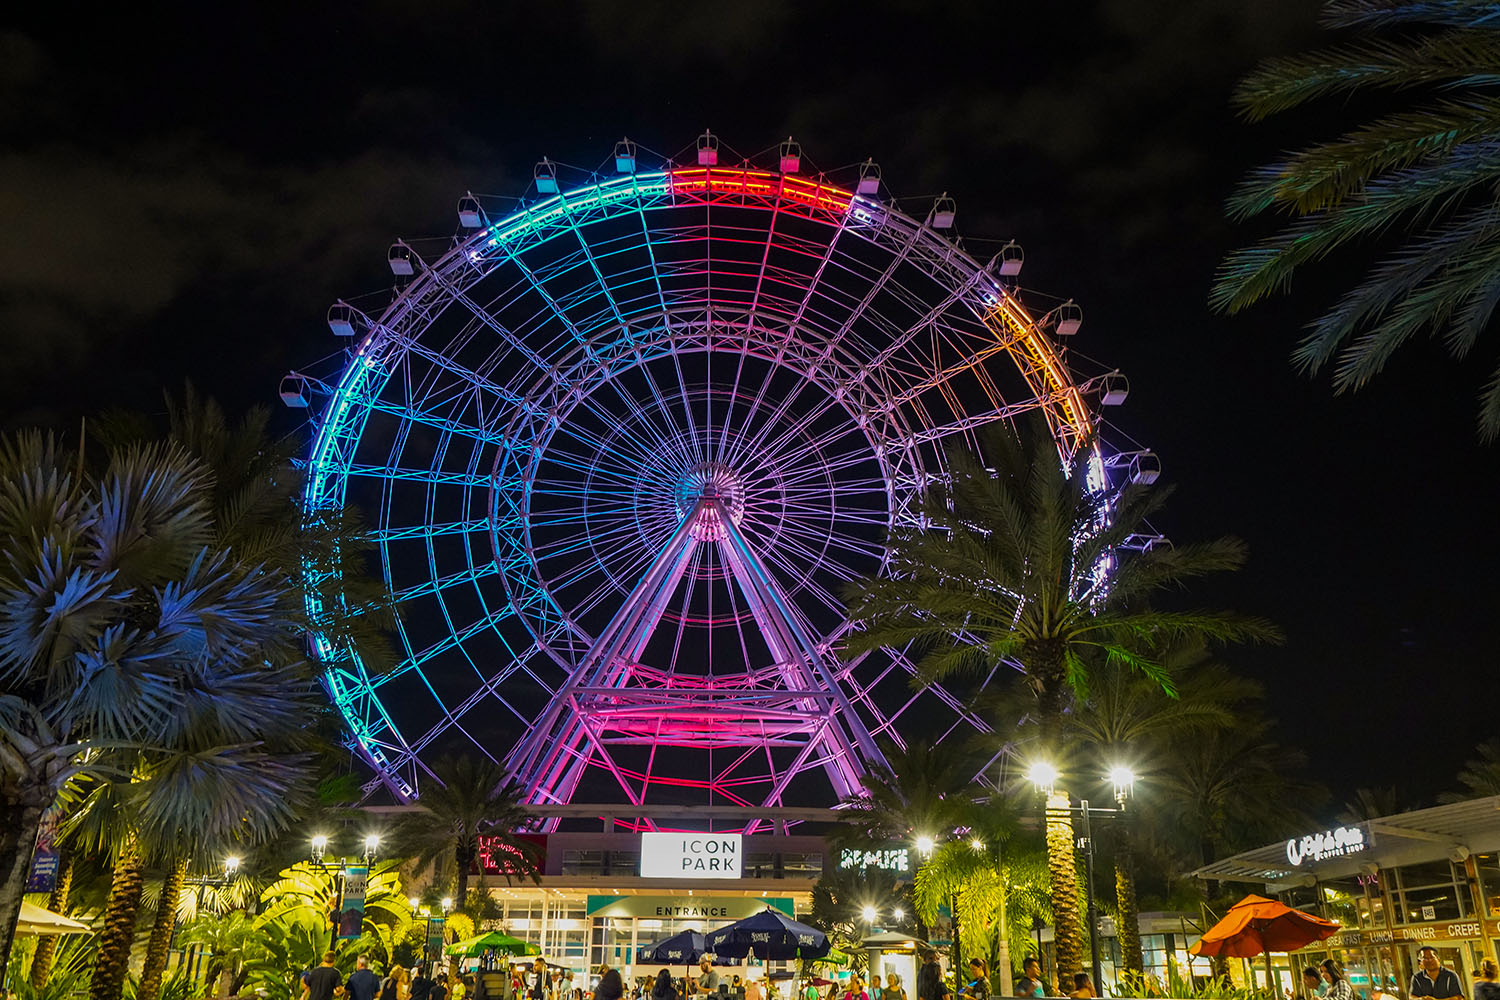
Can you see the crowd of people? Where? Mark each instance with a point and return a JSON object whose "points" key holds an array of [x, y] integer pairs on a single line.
{"points": [[325, 982]]}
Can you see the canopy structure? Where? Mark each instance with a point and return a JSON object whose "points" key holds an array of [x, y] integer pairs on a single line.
{"points": [[501, 943], [36, 921], [1257, 925], [770, 934]]}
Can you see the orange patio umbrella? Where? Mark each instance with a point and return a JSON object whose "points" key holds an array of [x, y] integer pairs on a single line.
{"points": [[1256, 924]]}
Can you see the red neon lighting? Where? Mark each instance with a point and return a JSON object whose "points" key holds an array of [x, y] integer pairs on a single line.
{"points": [[761, 184]]}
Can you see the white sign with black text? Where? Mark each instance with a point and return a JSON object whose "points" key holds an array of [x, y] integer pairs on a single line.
{"points": [[691, 855]]}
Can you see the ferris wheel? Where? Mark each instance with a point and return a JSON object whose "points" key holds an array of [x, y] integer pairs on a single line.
{"points": [[625, 446]]}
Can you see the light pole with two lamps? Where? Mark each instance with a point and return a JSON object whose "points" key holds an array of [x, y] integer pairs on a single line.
{"points": [[1044, 777], [425, 912], [340, 868]]}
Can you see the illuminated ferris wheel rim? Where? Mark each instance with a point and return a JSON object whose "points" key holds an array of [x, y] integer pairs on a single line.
{"points": [[544, 395]]}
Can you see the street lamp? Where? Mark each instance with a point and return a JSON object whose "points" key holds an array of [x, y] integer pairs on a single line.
{"points": [[340, 870], [869, 914], [898, 914], [1045, 776], [925, 845]]}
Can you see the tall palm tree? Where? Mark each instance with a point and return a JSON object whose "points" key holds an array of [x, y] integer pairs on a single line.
{"points": [[135, 649], [1025, 567], [1416, 182], [471, 797]]}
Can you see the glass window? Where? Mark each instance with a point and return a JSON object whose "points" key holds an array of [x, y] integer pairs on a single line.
{"points": [[1488, 866], [1436, 903]]}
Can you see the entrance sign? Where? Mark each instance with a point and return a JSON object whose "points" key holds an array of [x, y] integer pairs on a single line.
{"points": [[691, 855], [1336, 843], [707, 908]]}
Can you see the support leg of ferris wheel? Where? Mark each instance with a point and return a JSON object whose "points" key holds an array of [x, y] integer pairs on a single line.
{"points": [[554, 743], [561, 746]]}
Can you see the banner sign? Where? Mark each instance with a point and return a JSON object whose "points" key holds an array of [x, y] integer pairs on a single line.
{"points": [[435, 926], [687, 907], [691, 855], [352, 906], [45, 856]]}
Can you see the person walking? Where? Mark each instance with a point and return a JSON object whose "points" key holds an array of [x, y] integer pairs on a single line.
{"points": [[1030, 985], [363, 984], [1432, 979], [1083, 987], [708, 980], [393, 986], [1487, 986], [875, 988], [930, 985], [439, 989], [856, 989], [324, 982], [1338, 985], [893, 989], [421, 986]]}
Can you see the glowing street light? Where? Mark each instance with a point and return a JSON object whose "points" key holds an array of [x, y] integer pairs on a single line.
{"points": [[447, 903], [1123, 778], [416, 904], [1043, 776], [899, 914], [925, 844], [372, 845], [231, 866], [869, 914], [319, 847], [977, 844]]}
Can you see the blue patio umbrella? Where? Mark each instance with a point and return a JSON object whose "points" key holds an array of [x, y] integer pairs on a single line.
{"points": [[770, 934], [683, 948]]}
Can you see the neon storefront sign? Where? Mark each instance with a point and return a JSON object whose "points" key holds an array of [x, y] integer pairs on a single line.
{"points": [[1335, 843]]}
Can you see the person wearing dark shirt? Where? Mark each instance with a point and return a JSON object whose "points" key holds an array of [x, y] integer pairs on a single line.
{"points": [[363, 984], [439, 989], [930, 985], [611, 986], [1030, 984], [323, 982], [536, 983], [421, 986], [1432, 980]]}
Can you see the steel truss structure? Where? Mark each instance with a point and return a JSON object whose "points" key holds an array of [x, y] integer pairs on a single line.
{"points": [[625, 449]]}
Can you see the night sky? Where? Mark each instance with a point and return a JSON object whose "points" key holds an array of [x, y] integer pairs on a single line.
{"points": [[182, 194]]}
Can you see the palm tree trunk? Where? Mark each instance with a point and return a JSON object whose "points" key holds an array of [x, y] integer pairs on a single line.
{"points": [[1002, 941], [118, 933], [161, 931], [46, 945], [1062, 869], [19, 821], [1129, 928], [462, 858]]}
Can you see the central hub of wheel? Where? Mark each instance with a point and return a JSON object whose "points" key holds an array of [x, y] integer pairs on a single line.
{"points": [[712, 481]]}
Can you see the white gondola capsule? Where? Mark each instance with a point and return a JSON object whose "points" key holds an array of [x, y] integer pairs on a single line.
{"points": [[708, 149], [625, 156], [545, 176], [791, 156], [345, 320], [401, 259], [295, 392], [944, 210], [470, 215], [1144, 468], [1069, 318], [1113, 389], [869, 178], [1009, 259]]}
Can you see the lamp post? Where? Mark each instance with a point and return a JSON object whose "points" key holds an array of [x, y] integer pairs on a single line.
{"points": [[225, 876], [340, 870], [1045, 776], [425, 912]]}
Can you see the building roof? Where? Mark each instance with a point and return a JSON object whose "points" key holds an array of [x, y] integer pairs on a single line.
{"points": [[1389, 841]]}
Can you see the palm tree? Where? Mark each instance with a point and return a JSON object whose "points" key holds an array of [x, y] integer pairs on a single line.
{"points": [[57, 902], [994, 883], [1417, 180], [307, 892], [134, 649], [471, 797], [228, 940], [1480, 775], [1025, 567], [1128, 720], [923, 790]]}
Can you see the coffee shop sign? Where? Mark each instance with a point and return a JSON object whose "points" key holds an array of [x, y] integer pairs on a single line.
{"points": [[1335, 843]]}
